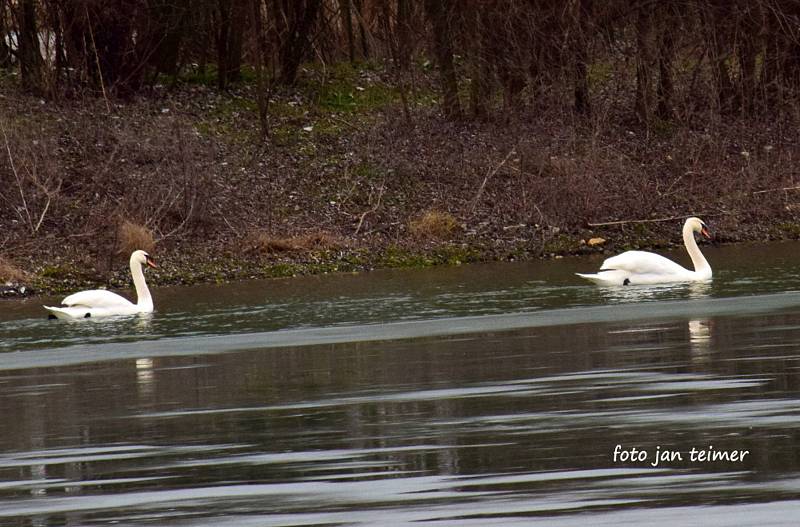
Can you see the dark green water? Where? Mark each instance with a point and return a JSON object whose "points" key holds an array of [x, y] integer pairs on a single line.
{"points": [[477, 395]]}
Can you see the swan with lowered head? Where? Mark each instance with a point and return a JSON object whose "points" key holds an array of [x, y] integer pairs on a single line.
{"points": [[102, 303], [641, 267]]}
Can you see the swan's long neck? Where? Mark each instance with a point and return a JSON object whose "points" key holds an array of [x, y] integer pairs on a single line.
{"points": [[143, 299], [701, 266]]}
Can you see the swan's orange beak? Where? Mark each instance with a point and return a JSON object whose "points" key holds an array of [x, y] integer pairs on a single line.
{"points": [[704, 232], [151, 263]]}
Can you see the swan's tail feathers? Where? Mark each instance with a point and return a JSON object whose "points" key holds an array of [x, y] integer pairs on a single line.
{"points": [[596, 278], [67, 313]]}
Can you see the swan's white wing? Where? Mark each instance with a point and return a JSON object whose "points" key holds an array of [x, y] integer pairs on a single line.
{"points": [[96, 298], [66, 313], [92, 312], [643, 262]]}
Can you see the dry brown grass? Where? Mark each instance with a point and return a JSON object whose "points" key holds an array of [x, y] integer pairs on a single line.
{"points": [[10, 272], [433, 225], [265, 243], [132, 236]]}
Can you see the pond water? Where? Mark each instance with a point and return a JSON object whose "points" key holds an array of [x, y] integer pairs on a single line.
{"points": [[476, 395]]}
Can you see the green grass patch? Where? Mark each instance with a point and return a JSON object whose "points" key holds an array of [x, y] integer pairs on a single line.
{"points": [[346, 88], [232, 118], [398, 257], [599, 73], [561, 244], [790, 229], [395, 256], [59, 272]]}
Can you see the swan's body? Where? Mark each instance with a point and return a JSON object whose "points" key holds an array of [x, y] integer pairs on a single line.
{"points": [[102, 303], [641, 267]]}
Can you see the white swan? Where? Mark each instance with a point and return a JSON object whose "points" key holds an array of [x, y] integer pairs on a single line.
{"points": [[641, 267], [102, 303]]}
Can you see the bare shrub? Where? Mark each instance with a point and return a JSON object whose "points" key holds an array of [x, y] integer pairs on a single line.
{"points": [[132, 236], [10, 272], [433, 225], [168, 182], [30, 182], [261, 242]]}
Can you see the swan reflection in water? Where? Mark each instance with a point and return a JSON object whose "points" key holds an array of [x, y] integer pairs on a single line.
{"points": [[700, 339], [145, 377]]}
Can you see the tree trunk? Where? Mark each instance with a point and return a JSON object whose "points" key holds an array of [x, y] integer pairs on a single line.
{"points": [[223, 41], [358, 4], [666, 56], [6, 58], [644, 63], [295, 41], [263, 93], [166, 35], [439, 13], [481, 27], [230, 30], [404, 52], [747, 61], [718, 54], [404, 44], [30, 58], [581, 58], [238, 19], [347, 17]]}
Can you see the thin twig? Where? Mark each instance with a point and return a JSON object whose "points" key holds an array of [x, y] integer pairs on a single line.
{"points": [[235, 231], [372, 210], [775, 190], [41, 218], [344, 121], [16, 177], [185, 219], [97, 60], [92, 232], [490, 175]]}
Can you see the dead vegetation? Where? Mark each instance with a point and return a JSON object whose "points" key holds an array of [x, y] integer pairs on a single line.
{"points": [[10, 272], [132, 236], [259, 242], [433, 225]]}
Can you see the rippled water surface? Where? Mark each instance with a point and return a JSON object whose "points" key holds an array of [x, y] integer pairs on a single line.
{"points": [[475, 395]]}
